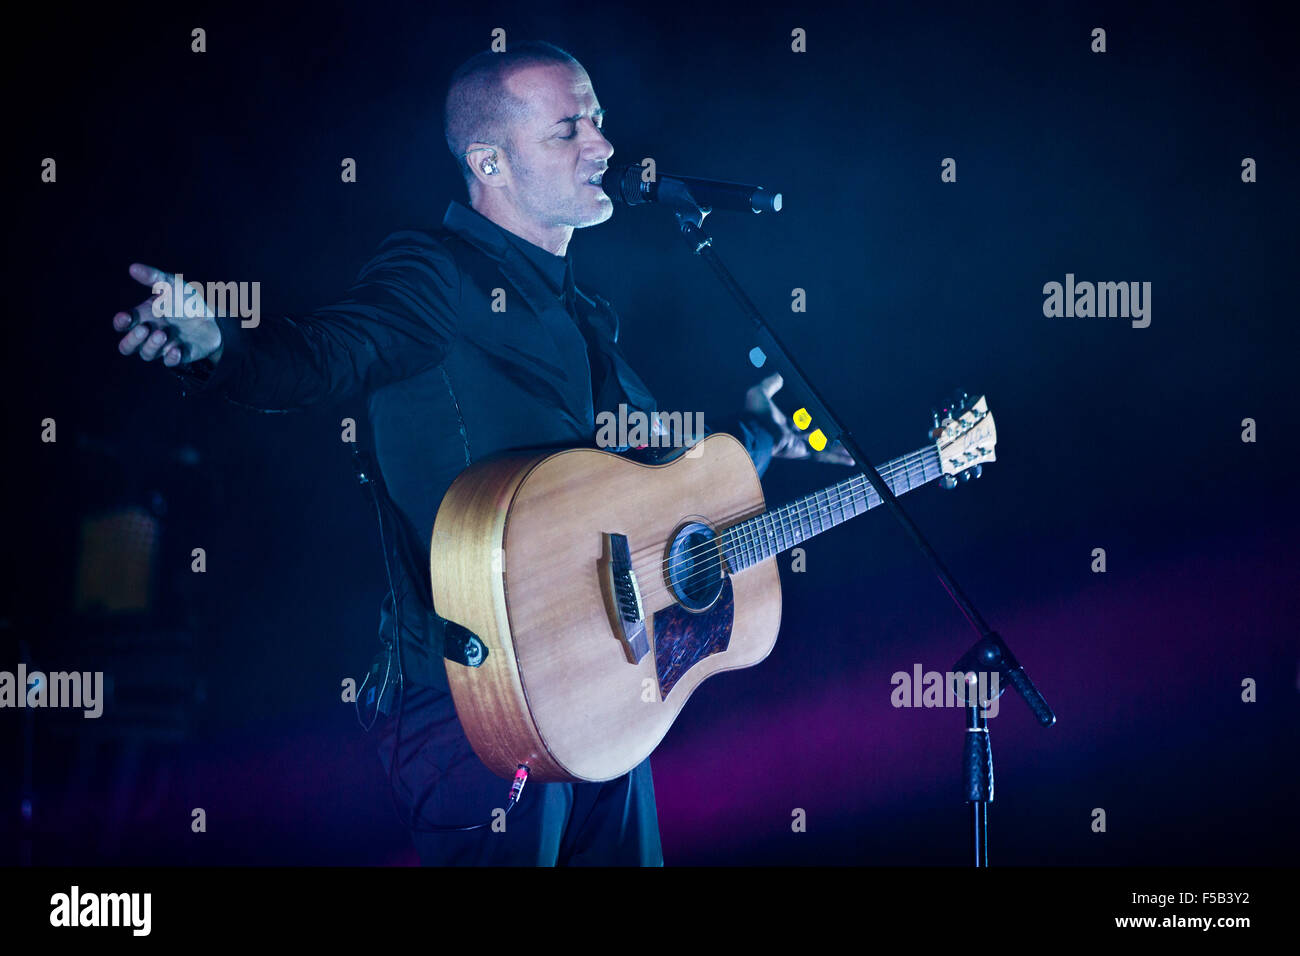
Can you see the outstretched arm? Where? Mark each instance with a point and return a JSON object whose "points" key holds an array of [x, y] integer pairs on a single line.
{"points": [[397, 319]]}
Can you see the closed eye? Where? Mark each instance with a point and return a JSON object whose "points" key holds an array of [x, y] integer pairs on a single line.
{"points": [[597, 118]]}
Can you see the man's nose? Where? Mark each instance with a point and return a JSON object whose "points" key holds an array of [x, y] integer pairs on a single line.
{"points": [[597, 146]]}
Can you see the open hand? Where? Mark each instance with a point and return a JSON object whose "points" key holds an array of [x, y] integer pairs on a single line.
{"points": [[178, 338]]}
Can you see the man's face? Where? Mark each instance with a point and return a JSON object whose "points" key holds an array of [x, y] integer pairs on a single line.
{"points": [[556, 147]]}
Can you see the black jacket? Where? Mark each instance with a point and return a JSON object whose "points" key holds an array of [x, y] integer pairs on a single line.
{"points": [[448, 380]]}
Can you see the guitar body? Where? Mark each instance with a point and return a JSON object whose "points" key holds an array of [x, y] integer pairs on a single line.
{"points": [[526, 554], [605, 591]]}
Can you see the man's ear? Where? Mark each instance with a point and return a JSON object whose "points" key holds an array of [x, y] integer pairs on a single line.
{"points": [[486, 163]]}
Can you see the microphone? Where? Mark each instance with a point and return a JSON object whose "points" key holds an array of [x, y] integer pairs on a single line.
{"points": [[623, 184]]}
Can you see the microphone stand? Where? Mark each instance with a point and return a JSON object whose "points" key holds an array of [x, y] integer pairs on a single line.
{"points": [[991, 652]]}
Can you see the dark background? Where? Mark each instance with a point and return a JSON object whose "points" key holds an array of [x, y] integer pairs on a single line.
{"points": [[1123, 166]]}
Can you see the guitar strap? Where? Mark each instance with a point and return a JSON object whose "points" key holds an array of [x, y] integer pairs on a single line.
{"points": [[459, 644]]}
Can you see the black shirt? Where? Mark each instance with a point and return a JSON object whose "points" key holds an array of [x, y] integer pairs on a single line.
{"points": [[467, 341]]}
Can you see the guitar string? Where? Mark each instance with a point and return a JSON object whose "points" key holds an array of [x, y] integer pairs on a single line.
{"points": [[809, 505], [909, 463], [751, 538], [749, 544]]}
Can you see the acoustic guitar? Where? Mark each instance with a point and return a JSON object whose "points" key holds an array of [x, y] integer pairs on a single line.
{"points": [[605, 590]]}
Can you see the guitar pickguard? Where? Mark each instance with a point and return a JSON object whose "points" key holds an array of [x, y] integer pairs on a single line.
{"points": [[683, 638]]}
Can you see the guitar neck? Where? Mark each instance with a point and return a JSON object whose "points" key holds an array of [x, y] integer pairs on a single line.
{"points": [[767, 535]]}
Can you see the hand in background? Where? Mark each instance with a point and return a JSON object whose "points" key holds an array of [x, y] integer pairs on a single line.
{"points": [[792, 443]]}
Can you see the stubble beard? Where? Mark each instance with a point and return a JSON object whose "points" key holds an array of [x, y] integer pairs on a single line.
{"points": [[574, 212]]}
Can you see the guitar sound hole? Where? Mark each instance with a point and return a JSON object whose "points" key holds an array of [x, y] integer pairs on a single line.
{"points": [[695, 567]]}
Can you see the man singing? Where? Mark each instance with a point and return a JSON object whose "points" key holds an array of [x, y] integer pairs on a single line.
{"points": [[449, 381]]}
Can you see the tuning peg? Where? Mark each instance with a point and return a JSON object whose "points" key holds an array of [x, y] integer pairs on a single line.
{"points": [[962, 398], [965, 475], [949, 482], [977, 471]]}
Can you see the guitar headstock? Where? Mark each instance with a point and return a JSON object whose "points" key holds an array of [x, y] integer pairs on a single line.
{"points": [[965, 437]]}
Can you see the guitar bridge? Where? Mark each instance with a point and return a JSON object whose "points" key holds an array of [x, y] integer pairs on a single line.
{"points": [[623, 596]]}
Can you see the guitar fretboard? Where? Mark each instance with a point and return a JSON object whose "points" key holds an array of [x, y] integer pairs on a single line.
{"points": [[768, 534]]}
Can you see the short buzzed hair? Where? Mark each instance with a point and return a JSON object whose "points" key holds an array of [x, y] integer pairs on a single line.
{"points": [[479, 107]]}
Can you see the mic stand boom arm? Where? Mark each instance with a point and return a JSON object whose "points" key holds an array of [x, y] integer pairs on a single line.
{"points": [[990, 650]]}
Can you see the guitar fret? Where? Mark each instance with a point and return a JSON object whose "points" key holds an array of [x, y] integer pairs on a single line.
{"points": [[733, 556], [853, 498], [773, 532], [896, 483], [932, 461]]}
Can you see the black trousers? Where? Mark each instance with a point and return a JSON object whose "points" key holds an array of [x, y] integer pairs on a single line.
{"points": [[439, 781]]}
